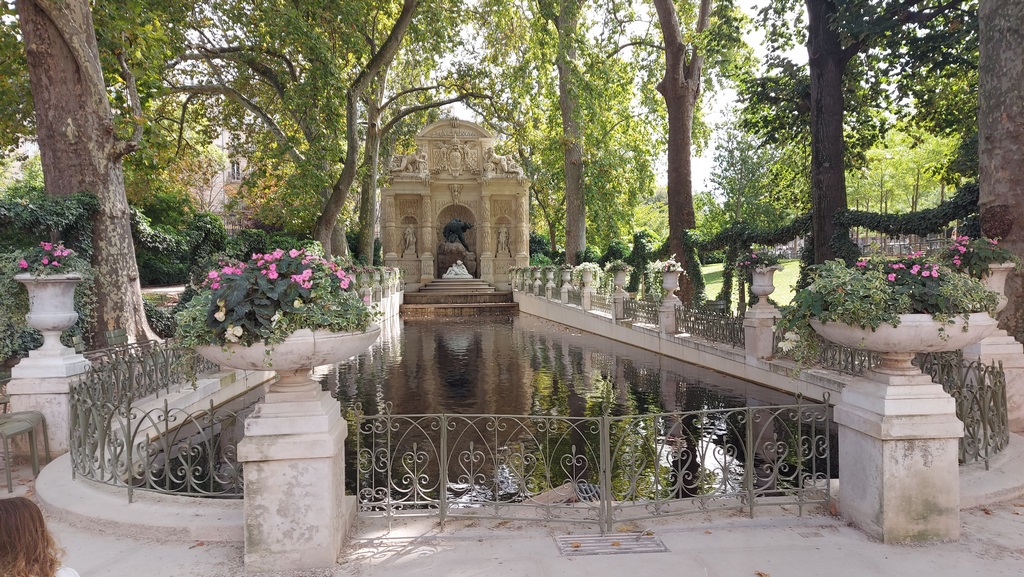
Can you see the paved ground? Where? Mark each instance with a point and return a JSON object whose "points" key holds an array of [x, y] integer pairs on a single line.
{"points": [[91, 525]]}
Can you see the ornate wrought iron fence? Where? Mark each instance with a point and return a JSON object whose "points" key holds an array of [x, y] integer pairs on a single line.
{"points": [[641, 311], [980, 394], [978, 389], [575, 296], [711, 325], [162, 449], [596, 470], [601, 302]]}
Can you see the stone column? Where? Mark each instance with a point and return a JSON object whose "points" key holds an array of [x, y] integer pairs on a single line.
{"points": [[485, 241], [44, 385], [523, 224], [42, 382], [391, 247], [619, 296], [759, 331], [667, 311], [588, 290], [899, 477], [296, 511], [426, 240]]}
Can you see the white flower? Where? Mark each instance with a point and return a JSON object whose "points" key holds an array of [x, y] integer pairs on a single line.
{"points": [[275, 318], [297, 304], [219, 315], [233, 333]]}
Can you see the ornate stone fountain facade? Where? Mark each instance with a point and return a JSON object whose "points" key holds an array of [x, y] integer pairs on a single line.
{"points": [[455, 173]]}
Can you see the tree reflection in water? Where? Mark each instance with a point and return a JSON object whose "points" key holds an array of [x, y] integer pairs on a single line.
{"points": [[569, 382]]}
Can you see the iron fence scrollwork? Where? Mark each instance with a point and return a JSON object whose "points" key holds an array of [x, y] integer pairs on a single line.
{"points": [[596, 470], [116, 441], [641, 311], [713, 325]]}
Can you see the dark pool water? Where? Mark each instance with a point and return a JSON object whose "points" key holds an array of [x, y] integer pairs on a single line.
{"points": [[526, 366]]}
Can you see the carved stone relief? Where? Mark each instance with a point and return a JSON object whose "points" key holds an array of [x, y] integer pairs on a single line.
{"points": [[408, 206], [455, 157]]}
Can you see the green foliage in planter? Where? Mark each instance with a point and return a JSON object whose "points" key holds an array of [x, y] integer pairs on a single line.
{"points": [[877, 291]]}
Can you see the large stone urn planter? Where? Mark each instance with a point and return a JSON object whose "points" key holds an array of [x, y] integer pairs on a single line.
{"points": [[51, 306], [762, 284], [51, 310], [898, 431], [995, 280], [296, 511], [41, 382], [916, 333]]}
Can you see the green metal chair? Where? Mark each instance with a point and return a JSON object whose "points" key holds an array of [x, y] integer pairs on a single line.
{"points": [[22, 423]]}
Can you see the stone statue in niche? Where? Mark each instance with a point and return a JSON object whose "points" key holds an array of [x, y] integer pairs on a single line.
{"points": [[415, 163], [409, 240], [455, 230], [503, 248], [457, 270], [500, 164]]}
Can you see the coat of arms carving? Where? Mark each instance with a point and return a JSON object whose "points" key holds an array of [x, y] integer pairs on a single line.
{"points": [[456, 157]]}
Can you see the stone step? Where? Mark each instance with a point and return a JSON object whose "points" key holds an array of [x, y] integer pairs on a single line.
{"points": [[420, 298], [458, 310]]}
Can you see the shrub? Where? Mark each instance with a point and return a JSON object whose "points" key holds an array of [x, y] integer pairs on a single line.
{"points": [[588, 254], [617, 250], [246, 242]]}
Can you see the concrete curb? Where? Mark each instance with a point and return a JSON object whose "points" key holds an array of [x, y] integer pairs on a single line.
{"points": [[88, 505]]}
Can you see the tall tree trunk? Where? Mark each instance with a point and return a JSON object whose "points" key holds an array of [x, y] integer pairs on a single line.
{"points": [[567, 24], [368, 204], [826, 63], [79, 149], [681, 88], [1001, 138], [328, 219]]}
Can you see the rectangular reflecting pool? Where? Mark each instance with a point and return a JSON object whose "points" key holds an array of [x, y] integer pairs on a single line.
{"points": [[526, 366]]}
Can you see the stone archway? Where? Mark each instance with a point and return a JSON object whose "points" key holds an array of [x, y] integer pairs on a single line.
{"points": [[465, 214]]}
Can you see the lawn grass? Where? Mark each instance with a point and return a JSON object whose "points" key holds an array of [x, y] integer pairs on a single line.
{"points": [[785, 281]]}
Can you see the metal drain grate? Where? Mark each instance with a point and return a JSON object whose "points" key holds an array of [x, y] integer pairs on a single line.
{"points": [[640, 542]]}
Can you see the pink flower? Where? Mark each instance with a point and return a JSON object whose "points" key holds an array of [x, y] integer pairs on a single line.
{"points": [[993, 241], [46, 260], [862, 263], [891, 277], [366, 300], [55, 263], [22, 264], [212, 274], [46, 245], [215, 286], [915, 269], [294, 253], [962, 249]]}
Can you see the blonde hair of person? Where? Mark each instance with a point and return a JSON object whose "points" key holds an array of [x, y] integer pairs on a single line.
{"points": [[26, 547]]}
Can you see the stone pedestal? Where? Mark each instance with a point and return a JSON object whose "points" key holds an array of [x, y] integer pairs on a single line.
{"points": [[898, 467], [426, 268], [1001, 347], [296, 512], [759, 331], [41, 382]]}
